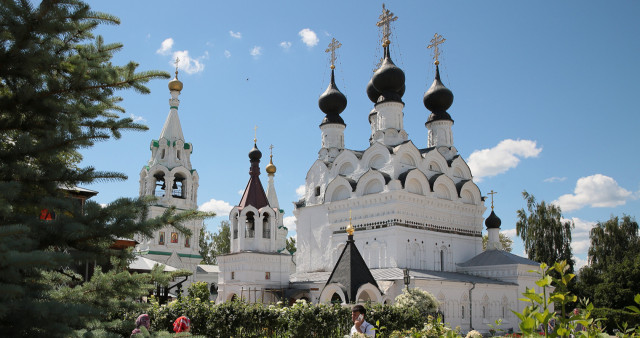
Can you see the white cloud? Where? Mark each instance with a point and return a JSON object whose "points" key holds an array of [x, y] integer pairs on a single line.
{"points": [[499, 159], [290, 222], [137, 118], [300, 191], [579, 263], [511, 233], [221, 208], [285, 45], [240, 192], [165, 47], [236, 35], [227, 54], [256, 51], [187, 63], [309, 37], [597, 191], [554, 179], [580, 235]]}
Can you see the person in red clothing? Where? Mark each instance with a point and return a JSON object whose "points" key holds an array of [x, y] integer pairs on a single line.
{"points": [[182, 324]]}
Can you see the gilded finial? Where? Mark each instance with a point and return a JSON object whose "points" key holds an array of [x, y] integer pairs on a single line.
{"points": [[176, 84], [350, 228], [492, 193], [437, 39], [385, 21], [335, 44], [255, 134], [271, 169]]}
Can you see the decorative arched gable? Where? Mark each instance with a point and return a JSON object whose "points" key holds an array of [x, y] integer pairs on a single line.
{"points": [[460, 168], [443, 187], [434, 162], [330, 290], [345, 164], [469, 192], [414, 181], [367, 292], [373, 181], [376, 156], [339, 189], [408, 154]]}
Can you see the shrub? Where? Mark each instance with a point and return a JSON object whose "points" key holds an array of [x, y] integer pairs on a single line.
{"points": [[418, 299]]}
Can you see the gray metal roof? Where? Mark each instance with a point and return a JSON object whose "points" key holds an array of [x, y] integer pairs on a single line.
{"points": [[497, 257], [398, 274]]}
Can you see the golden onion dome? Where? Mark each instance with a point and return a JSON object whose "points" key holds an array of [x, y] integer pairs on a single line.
{"points": [[271, 169], [175, 84]]}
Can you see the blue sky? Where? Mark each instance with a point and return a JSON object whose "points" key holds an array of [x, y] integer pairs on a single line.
{"points": [[545, 94]]}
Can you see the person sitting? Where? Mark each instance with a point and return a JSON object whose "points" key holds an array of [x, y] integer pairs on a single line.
{"points": [[359, 324], [142, 321]]}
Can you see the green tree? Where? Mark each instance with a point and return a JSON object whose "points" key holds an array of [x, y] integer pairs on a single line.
{"points": [[215, 244], [612, 277], [291, 245], [414, 298], [506, 242], [546, 237], [58, 90]]}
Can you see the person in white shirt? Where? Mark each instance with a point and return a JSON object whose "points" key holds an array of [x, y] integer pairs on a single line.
{"points": [[359, 324]]}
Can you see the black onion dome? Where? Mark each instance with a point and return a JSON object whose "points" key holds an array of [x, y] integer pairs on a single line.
{"points": [[372, 92], [438, 99], [389, 80], [332, 101], [255, 154], [493, 221]]}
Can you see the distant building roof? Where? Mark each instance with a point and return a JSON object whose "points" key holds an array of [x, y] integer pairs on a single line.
{"points": [[204, 268], [146, 264], [497, 257]]}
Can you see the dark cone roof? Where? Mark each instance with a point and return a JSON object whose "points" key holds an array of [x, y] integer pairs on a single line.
{"points": [[351, 271], [254, 194], [388, 80], [493, 221], [438, 99]]}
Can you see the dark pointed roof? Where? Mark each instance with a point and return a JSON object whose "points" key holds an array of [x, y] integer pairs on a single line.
{"points": [[438, 99], [332, 102], [387, 83], [351, 271], [254, 194], [493, 221]]}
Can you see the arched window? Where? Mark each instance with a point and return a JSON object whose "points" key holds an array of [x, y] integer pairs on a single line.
{"points": [[441, 260], [335, 299], [160, 186], [484, 312], [250, 226], [235, 227], [462, 311], [178, 189], [266, 226]]}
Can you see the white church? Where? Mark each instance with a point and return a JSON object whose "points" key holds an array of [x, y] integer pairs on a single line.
{"points": [[367, 217]]}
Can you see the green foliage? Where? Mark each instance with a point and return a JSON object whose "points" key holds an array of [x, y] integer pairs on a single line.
{"points": [[434, 327], [414, 298], [58, 89], [199, 291], [291, 245], [213, 245], [393, 318], [506, 242], [613, 275], [547, 239]]}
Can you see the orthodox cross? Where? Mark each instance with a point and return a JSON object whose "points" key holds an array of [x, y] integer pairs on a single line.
{"points": [[437, 39], [335, 44], [492, 193], [176, 63], [271, 150], [255, 134], [385, 21]]}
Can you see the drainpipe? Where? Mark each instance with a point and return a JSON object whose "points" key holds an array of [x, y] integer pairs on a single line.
{"points": [[470, 306]]}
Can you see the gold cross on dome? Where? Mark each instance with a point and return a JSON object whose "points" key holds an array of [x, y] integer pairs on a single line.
{"points": [[335, 44], [437, 39], [176, 63], [492, 193], [255, 134], [385, 21], [271, 150]]}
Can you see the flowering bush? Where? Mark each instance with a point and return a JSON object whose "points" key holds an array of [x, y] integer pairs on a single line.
{"points": [[418, 299], [474, 334]]}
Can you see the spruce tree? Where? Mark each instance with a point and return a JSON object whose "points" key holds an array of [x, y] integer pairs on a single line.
{"points": [[58, 94]]}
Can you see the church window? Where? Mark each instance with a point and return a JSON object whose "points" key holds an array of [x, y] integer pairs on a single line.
{"points": [[250, 226], [162, 154], [503, 312], [267, 275], [178, 154], [266, 226], [174, 237], [335, 299], [318, 191], [233, 275], [161, 238], [187, 241], [177, 190], [463, 312], [235, 227], [484, 312], [441, 260], [160, 185]]}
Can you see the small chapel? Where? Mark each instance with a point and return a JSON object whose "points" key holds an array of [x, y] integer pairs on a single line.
{"points": [[371, 222]]}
